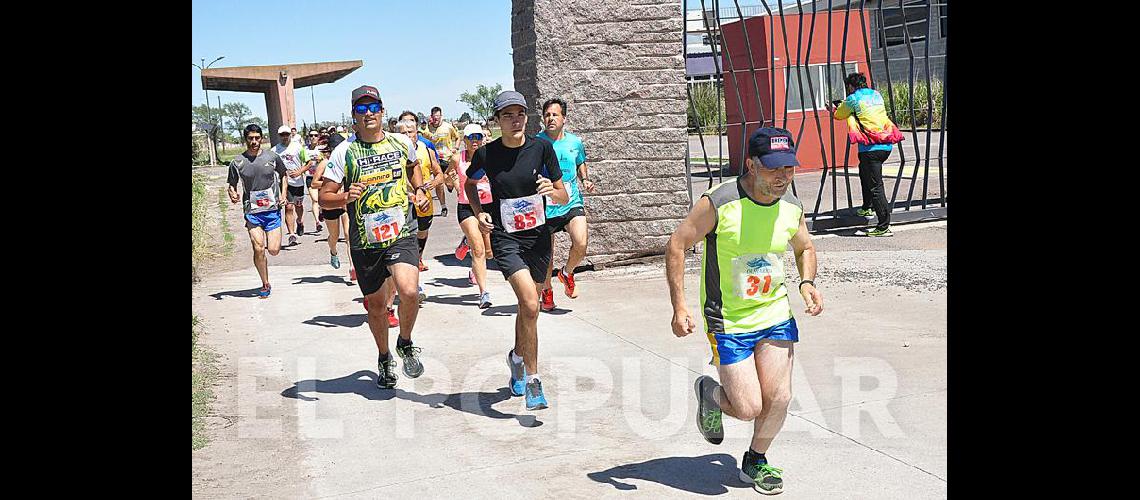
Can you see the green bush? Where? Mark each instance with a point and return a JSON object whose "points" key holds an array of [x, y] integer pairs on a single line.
{"points": [[900, 90], [197, 223], [704, 102]]}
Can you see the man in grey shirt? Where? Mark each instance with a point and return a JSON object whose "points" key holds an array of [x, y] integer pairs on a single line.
{"points": [[263, 177]]}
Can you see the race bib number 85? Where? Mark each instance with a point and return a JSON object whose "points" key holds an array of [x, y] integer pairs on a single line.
{"points": [[521, 214], [384, 226]]}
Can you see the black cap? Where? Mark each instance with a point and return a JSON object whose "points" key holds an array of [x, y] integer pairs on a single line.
{"points": [[365, 91], [334, 140], [509, 98], [774, 146]]}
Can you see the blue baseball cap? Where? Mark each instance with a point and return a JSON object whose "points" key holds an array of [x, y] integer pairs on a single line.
{"points": [[774, 146]]}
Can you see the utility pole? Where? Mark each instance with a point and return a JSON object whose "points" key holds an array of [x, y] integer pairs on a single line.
{"points": [[209, 117], [219, 123]]}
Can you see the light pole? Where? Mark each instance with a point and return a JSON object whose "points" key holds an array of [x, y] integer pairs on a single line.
{"points": [[213, 145]]}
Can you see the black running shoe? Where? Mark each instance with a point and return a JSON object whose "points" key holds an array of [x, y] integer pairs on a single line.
{"points": [[708, 412], [412, 366], [386, 373]]}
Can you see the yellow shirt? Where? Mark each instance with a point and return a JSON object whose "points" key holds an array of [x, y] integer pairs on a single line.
{"points": [[425, 167], [444, 137]]}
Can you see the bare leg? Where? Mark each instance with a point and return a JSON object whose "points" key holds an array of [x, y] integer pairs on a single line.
{"points": [[378, 303], [739, 394], [406, 278], [476, 243], [774, 364], [526, 322], [257, 239], [578, 237]]}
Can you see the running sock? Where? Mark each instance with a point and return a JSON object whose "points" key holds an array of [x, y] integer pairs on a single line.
{"points": [[385, 356], [401, 343], [754, 457], [531, 377], [515, 358]]}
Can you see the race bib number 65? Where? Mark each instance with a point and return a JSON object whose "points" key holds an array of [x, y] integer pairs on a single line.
{"points": [[382, 227], [521, 214]]}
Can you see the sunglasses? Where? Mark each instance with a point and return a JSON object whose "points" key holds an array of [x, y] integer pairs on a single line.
{"points": [[475, 137], [360, 109]]}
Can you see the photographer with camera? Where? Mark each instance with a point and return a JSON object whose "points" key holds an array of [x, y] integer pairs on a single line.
{"points": [[876, 135]]}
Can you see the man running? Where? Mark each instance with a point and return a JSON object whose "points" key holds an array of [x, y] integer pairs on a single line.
{"points": [[570, 217], [433, 170], [290, 153], [382, 186], [522, 171], [444, 135], [746, 224], [310, 157], [429, 170], [262, 175]]}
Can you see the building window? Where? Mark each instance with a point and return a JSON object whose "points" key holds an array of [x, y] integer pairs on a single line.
{"points": [[819, 75], [942, 19], [894, 31]]}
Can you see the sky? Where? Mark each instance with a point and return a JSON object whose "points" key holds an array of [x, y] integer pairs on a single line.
{"points": [[419, 53]]}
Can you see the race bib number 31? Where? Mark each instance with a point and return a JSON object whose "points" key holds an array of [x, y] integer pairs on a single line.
{"points": [[521, 214], [385, 226], [758, 276]]}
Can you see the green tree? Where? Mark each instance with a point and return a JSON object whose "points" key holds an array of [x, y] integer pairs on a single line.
{"points": [[482, 102], [239, 115]]}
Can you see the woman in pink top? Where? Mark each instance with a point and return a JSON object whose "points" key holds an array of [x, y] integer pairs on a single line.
{"points": [[475, 241]]}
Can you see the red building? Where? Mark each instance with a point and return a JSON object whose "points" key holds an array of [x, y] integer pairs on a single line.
{"points": [[817, 146]]}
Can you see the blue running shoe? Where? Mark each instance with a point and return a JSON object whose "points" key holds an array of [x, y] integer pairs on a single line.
{"points": [[518, 375], [264, 293], [535, 399], [334, 260]]}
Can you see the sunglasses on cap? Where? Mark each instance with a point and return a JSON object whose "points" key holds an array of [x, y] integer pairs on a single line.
{"points": [[475, 137], [360, 109]]}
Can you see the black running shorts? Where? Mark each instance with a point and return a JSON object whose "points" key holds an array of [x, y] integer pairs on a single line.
{"points": [[372, 264], [513, 254]]}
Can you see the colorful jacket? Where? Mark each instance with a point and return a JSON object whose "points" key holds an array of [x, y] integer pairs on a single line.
{"points": [[867, 119]]}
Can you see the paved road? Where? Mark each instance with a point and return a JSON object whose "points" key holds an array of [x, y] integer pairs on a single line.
{"points": [[298, 413]]}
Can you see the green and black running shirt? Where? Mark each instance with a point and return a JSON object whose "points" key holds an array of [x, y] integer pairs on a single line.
{"points": [[742, 267], [385, 211]]}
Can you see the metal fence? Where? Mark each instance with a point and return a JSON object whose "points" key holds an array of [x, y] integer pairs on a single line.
{"points": [[896, 39]]}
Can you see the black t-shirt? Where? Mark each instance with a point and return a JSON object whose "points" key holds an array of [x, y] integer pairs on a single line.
{"points": [[513, 173]]}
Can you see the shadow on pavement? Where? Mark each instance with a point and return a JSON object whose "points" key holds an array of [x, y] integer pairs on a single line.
{"points": [[448, 259], [705, 475], [241, 294], [347, 320], [363, 383], [450, 282], [321, 279], [471, 299]]}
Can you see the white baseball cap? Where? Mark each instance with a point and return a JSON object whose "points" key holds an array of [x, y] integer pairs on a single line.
{"points": [[340, 128], [284, 129], [472, 128]]}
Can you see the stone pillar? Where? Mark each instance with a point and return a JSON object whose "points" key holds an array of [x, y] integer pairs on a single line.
{"points": [[279, 105], [618, 65]]}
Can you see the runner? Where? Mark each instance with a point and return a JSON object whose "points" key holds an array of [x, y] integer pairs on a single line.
{"points": [[746, 224], [570, 217], [337, 218], [262, 175], [310, 157], [434, 170], [382, 185], [522, 171], [444, 135], [430, 170], [475, 240], [290, 153]]}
